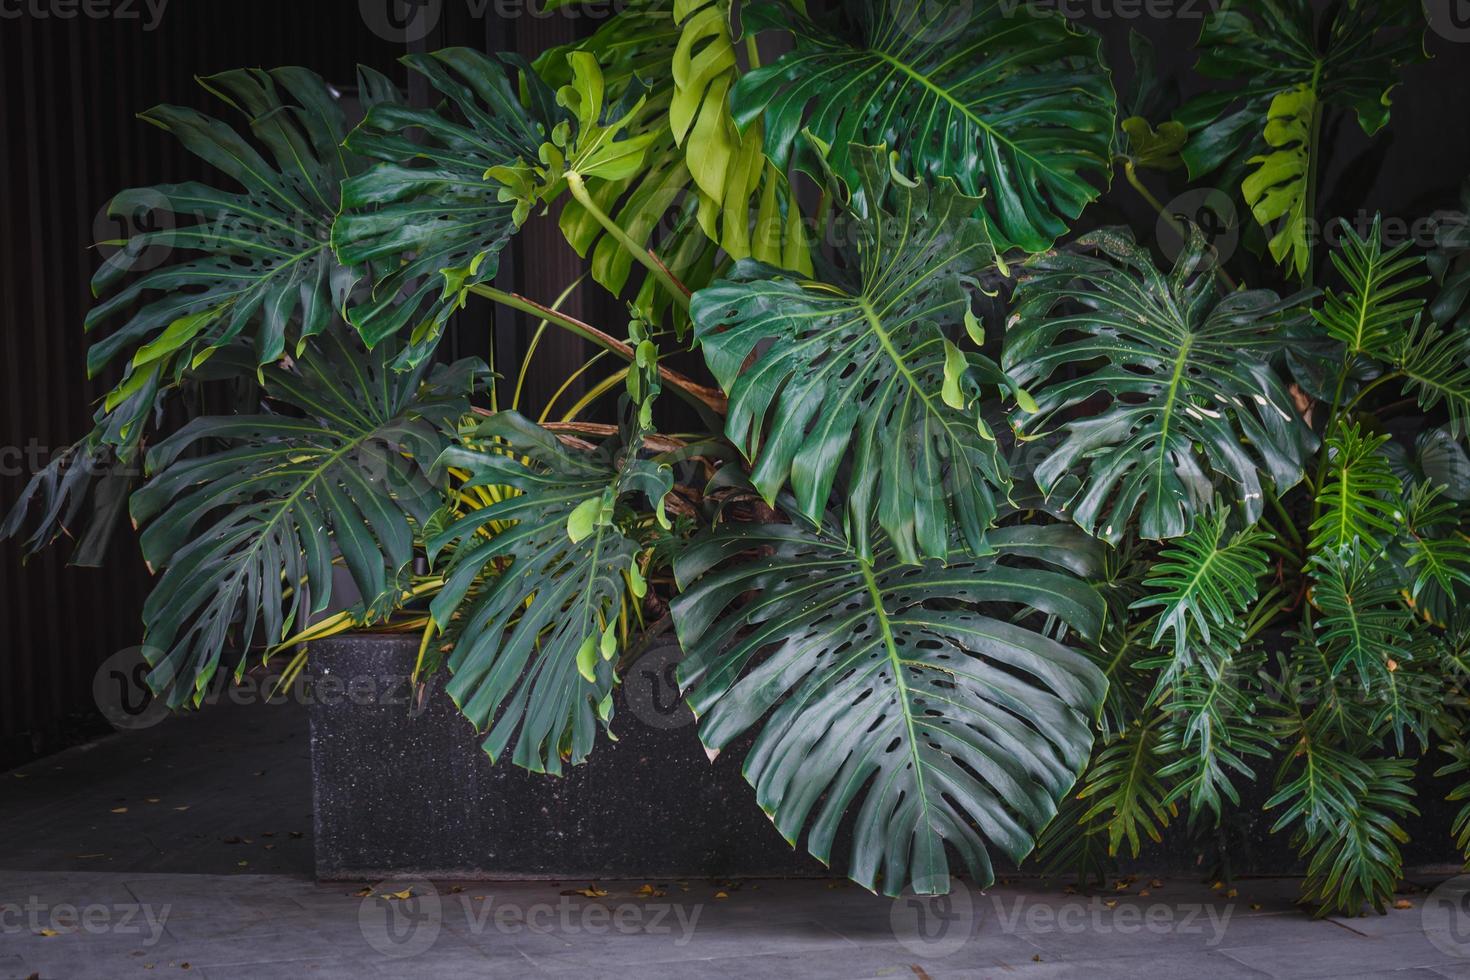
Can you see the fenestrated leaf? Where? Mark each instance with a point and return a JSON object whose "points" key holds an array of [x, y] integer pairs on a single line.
{"points": [[249, 532], [425, 223], [1007, 99], [253, 263], [1277, 191], [911, 698], [1194, 410], [1272, 46], [858, 370], [535, 586]]}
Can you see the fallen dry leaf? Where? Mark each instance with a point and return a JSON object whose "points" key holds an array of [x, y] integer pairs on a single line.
{"points": [[48, 933], [721, 895], [591, 891], [1403, 903], [120, 809]]}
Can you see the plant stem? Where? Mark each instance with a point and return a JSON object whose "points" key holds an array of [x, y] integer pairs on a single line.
{"points": [[1130, 172], [702, 395], [676, 289], [1309, 201]]}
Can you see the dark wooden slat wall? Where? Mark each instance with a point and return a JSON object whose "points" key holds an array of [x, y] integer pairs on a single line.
{"points": [[69, 89]]}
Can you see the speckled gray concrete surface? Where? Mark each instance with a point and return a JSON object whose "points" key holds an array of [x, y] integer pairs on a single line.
{"points": [[185, 849]]}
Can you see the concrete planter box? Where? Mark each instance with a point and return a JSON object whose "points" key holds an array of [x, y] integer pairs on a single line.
{"points": [[405, 789]]}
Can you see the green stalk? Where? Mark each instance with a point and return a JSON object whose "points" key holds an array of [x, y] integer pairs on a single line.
{"points": [[676, 289], [1130, 172], [1310, 201], [698, 395]]}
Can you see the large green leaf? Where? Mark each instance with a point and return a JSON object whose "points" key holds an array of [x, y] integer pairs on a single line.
{"points": [[1370, 314], [535, 586], [426, 223], [248, 533], [1194, 408], [912, 695], [702, 182], [821, 374], [1206, 579], [1009, 100], [1272, 46], [252, 263], [1358, 500]]}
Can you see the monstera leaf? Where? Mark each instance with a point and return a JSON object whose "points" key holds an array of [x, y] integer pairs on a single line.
{"points": [[1289, 68], [425, 223], [913, 696], [252, 263], [1194, 408], [535, 585], [1008, 100], [248, 533], [865, 370], [699, 169], [1272, 46]]}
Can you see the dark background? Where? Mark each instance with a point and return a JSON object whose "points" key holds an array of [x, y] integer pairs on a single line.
{"points": [[69, 89]]}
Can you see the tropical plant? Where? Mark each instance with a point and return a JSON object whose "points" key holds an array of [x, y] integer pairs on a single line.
{"points": [[991, 535]]}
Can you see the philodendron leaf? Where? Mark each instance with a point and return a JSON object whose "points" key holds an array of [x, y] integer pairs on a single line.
{"points": [[1290, 69], [1277, 190], [1205, 581], [703, 185], [1009, 100], [426, 223], [820, 374], [249, 264], [1194, 408], [1155, 149], [535, 585], [1273, 46], [246, 535], [909, 700]]}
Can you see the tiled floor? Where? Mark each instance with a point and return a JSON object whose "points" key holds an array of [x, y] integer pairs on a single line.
{"points": [[186, 849]]}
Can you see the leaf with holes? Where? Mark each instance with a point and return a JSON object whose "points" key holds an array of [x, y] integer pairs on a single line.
{"points": [[252, 263], [535, 584], [249, 532], [1195, 408], [820, 372], [425, 223], [1011, 102], [926, 702]]}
